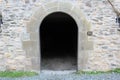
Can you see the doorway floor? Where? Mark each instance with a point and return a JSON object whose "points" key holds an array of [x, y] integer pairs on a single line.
{"points": [[59, 63]]}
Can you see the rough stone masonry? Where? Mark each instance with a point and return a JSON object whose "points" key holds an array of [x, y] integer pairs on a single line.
{"points": [[19, 42]]}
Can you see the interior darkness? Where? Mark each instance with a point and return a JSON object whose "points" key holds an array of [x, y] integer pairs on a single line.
{"points": [[58, 36]]}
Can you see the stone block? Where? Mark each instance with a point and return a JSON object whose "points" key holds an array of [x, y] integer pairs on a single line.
{"points": [[89, 45], [31, 48], [34, 36], [77, 11], [20, 52], [20, 58], [52, 10], [35, 63], [35, 48], [31, 25], [25, 36], [41, 11], [7, 55], [1, 56], [51, 5], [12, 67], [65, 6]]}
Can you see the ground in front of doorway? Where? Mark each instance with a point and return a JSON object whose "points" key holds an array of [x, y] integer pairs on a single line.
{"points": [[68, 75]]}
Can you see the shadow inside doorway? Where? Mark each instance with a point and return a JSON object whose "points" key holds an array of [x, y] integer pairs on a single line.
{"points": [[58, 41]]}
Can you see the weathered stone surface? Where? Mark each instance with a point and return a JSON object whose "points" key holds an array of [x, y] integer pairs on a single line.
{"points": [[19, 40]]}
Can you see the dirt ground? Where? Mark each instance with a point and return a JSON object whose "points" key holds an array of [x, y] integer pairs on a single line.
{"points": [[59, 63]]}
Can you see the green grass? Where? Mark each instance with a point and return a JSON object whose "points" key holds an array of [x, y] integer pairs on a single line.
{"points": [[14, 74], [117, 70]]}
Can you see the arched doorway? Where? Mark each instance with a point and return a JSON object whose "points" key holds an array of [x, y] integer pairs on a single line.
{"points": [[58, 42]]}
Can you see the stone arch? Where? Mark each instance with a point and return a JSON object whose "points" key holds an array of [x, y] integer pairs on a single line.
{"points": [[32, 46]]}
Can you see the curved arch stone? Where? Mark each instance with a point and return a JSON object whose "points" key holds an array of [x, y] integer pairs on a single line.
{"points": [[32, 46]]}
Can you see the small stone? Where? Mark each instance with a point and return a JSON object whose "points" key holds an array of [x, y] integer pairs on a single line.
{"points": [[11, 67], [7, 55], [113, 65]]}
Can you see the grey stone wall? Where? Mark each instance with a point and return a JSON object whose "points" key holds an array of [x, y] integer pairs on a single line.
{"points": [[14, 15], [105, 54], [106, 38]]}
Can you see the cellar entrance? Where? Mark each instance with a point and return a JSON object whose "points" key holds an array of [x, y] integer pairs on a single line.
{"points": [[58, 42]]}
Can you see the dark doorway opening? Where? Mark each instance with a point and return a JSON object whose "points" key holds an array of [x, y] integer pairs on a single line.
{"points": [[58, 42]]}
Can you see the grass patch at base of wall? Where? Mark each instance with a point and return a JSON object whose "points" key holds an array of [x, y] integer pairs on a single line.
{"points": [[117, 70], [14, 74]]}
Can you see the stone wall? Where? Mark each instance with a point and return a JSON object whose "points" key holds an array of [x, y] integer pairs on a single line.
{"points": [[12, 55], [106, 39]]}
